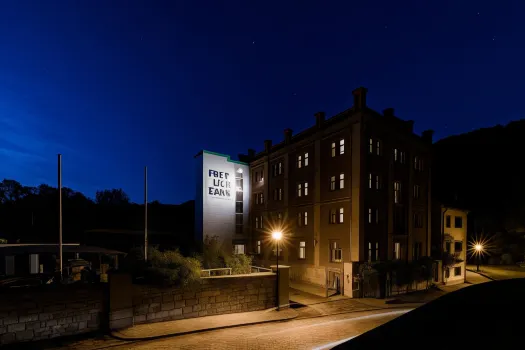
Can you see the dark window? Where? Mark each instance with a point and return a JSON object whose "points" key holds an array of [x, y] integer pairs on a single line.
{"points": [[457, 271], [458, 246], [238, 219], [458, 222], [447, 221], [238, 196], [333, 217], [239, 229], [238, 207], [447, 247], [417, 251]]}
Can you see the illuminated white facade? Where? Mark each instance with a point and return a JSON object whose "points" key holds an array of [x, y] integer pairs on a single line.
{"points": [[222, 199]]}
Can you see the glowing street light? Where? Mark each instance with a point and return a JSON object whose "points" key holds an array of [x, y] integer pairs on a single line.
{"points": [[479, 249], [277, 236]]}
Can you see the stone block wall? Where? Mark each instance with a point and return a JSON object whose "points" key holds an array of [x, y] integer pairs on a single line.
{"points": [[28, 314], [215, 296]]}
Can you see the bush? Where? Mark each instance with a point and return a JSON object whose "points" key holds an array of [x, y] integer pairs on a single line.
{"points": [[212, 255], [239, 263]]}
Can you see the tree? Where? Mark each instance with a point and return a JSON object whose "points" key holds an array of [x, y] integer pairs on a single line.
{"points": [[10, 191], [112, 197]]}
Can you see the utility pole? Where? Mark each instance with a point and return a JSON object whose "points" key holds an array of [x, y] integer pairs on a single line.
{"points": [[145, 213], [60, 212]]}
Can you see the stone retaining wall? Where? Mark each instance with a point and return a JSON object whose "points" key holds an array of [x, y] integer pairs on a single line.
{"points": [[28, 314], [215, 296]]}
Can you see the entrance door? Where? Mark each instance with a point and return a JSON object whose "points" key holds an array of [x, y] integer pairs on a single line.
{"points": [[334, 282]]}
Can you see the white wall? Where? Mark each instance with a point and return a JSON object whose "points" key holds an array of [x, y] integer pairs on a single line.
{"points": [[217, 186]]}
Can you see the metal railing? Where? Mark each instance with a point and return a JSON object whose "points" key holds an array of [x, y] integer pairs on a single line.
{"points": [[210, 271], [259, 269]]}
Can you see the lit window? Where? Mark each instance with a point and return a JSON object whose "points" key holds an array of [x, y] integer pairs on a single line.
{"points": [[397, 192], [378, 147], [280, 168], [341, 181], [239, 248], [332, 183], [299, 190], [397, 250], [333, 149], [259, 247], [341, 215], [369, 251], [418, 163], [257, 224], [299, 162], [305, 217], [306, 159], [306, 188], [342, 146], [371, 146], [370, 180], [369, 215], [302, 250], [280, 194], [378, 182], [261, 198], [402, 157], [395, 155], [416, 191], [336, 253], [377, 251]]}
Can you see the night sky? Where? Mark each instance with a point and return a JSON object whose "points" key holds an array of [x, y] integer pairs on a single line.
{"points": [[117, 85]]}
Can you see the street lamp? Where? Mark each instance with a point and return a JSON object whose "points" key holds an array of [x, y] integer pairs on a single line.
{"points": [[277, 236], [479, 248]]}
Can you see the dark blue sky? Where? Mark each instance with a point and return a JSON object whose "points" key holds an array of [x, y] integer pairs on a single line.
{"points": [[116, 85]]}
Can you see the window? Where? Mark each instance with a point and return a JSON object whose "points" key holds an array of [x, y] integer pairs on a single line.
{"points": [[306, 188], [333, 217], [332, 183], [277, 169], [333, 149], [280, 165], [396, 155], [378, 182], [377, 251], [302, 250], [418, 163], [397, 192], [306, 159], [447, 247], [377, 216], [299, 190], [369, 215], [402, 157], [261, 198], [280, 194], [458, 222], [259, 247], [342, 146], [457, 271], [305, 217], [341, 215], [256, 177], [458, 246], [399, 156], [257, 222], [279, 216], [397, 250], [418, 220], [238, 249], [336, 253], [447, 221], [417, 251], [299, 162], [341, 181], [378, 147], [371, 146], [370, 180], [239, 220], [416, 191], [275, 194], [274, 169], [301, 218], [238, 207], [369, 251]]}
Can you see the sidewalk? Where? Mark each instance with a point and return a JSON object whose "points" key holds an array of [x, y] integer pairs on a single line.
{"points": [[200, 324]]}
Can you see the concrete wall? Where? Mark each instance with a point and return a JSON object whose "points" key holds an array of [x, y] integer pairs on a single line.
{"points": [[28, 314], [215, 296]]}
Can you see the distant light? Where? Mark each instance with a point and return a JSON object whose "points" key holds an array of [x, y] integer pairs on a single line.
{"points": [[277, 235], [478, 247], [239, 170]]}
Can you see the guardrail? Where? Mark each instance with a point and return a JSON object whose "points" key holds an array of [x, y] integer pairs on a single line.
{"points": [[259, 269], [209, 271]]}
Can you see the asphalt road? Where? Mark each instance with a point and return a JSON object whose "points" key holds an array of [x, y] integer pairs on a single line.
{"points": [[315, 333]]}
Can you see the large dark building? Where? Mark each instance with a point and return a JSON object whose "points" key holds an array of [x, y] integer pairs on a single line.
{"points": [[350, 189]]}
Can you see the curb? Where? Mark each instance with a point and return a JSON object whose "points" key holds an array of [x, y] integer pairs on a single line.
{"points": [[115, 334], [482, 274]]}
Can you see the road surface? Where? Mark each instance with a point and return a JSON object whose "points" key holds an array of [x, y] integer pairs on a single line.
{"points": [[314, 333]]}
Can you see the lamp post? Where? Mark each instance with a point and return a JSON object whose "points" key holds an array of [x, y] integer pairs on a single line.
{"points": [[277, 235], [479, 249]]}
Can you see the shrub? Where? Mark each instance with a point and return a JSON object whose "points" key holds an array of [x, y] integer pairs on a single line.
{"points": [[239, 263]]}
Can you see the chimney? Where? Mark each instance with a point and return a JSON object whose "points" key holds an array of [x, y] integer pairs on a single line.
{"points": [[410, 125], [427, 135], [288, 135], [251, 152], [359, 98], [319, 119], [389, 112], [267, 146]]}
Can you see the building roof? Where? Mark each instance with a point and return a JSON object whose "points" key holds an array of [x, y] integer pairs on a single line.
{"points": [[35, 248]]}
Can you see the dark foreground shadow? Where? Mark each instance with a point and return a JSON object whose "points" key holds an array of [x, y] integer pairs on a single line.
{"points": [[487, 315]]}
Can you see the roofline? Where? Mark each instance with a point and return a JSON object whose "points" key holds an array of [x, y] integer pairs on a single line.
{"points": [[228, 158]]}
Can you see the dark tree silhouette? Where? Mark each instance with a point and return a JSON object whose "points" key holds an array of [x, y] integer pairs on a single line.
{"points": [[112, 197]]}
